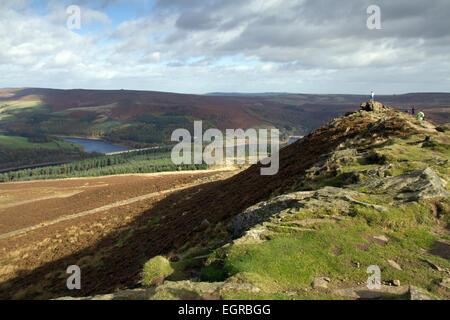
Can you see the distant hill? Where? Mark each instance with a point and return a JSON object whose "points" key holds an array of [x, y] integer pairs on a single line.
{"points": [[145, 118], [243, 94]]}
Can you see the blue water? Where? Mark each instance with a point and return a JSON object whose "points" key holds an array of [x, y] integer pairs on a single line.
{"points": [[96, 145]]}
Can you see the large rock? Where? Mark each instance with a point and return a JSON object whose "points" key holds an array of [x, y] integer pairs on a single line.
{"points": [[385, 292], [418, 294], [320, 283], [373, 106], [410, 186], [329, 163], [259, 213], [189, 290], [184, 290], [394, 264]]}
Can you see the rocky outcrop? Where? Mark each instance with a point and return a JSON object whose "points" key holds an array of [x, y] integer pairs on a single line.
{"points": [[331, 162], [410, 186], [373, 106], [326, 199], [200, 290], [418, 294], [183, 290], [259, 213]]}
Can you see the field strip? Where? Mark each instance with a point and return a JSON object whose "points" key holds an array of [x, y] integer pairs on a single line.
{"points": [[15, 204], [92, 211], [153, 174]]}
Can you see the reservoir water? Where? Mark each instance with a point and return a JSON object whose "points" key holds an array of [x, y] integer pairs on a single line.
{"points": [[100, 146]]}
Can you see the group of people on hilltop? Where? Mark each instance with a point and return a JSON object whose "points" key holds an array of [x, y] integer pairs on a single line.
{"points": [[420, 114]]}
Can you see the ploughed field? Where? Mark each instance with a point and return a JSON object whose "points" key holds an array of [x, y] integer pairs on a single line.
{"points": [[48, 225]]}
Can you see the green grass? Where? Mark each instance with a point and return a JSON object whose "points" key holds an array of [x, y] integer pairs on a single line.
{"points": [[156, 270], [290, 261], [395, 218], [414, 148]]}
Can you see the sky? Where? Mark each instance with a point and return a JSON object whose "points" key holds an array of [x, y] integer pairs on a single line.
{"points": [[201, 46]]}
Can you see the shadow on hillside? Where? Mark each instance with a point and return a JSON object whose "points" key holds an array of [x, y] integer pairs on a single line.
{"points": [[441, 249], [121, 265]]}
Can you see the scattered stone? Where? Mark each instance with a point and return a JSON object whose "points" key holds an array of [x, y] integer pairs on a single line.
{"points": [[320, 283], [378, 172], [435, 267], [394, 265], [382, 238], [396, 283]]}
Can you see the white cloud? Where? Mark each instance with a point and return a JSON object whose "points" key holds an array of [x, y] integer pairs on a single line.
{"points": [[211, 45], [64, 58]]}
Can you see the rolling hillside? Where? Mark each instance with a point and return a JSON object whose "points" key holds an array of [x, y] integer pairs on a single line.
{"points": [[367, 189], [143, 118]]}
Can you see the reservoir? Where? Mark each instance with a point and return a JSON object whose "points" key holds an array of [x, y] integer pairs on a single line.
{"points": [[91, 145]]}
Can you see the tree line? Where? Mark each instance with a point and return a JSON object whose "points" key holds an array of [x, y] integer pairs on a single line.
{"points": [[144, 161]]}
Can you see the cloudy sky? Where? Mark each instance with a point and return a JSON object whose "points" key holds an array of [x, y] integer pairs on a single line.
{"points": [[200, 46]]}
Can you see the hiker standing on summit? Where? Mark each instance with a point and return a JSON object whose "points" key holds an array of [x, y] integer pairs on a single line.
{"points": [[372, 95]]}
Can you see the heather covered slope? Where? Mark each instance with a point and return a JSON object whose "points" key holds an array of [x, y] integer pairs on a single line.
{"points": [[318, 220]]}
